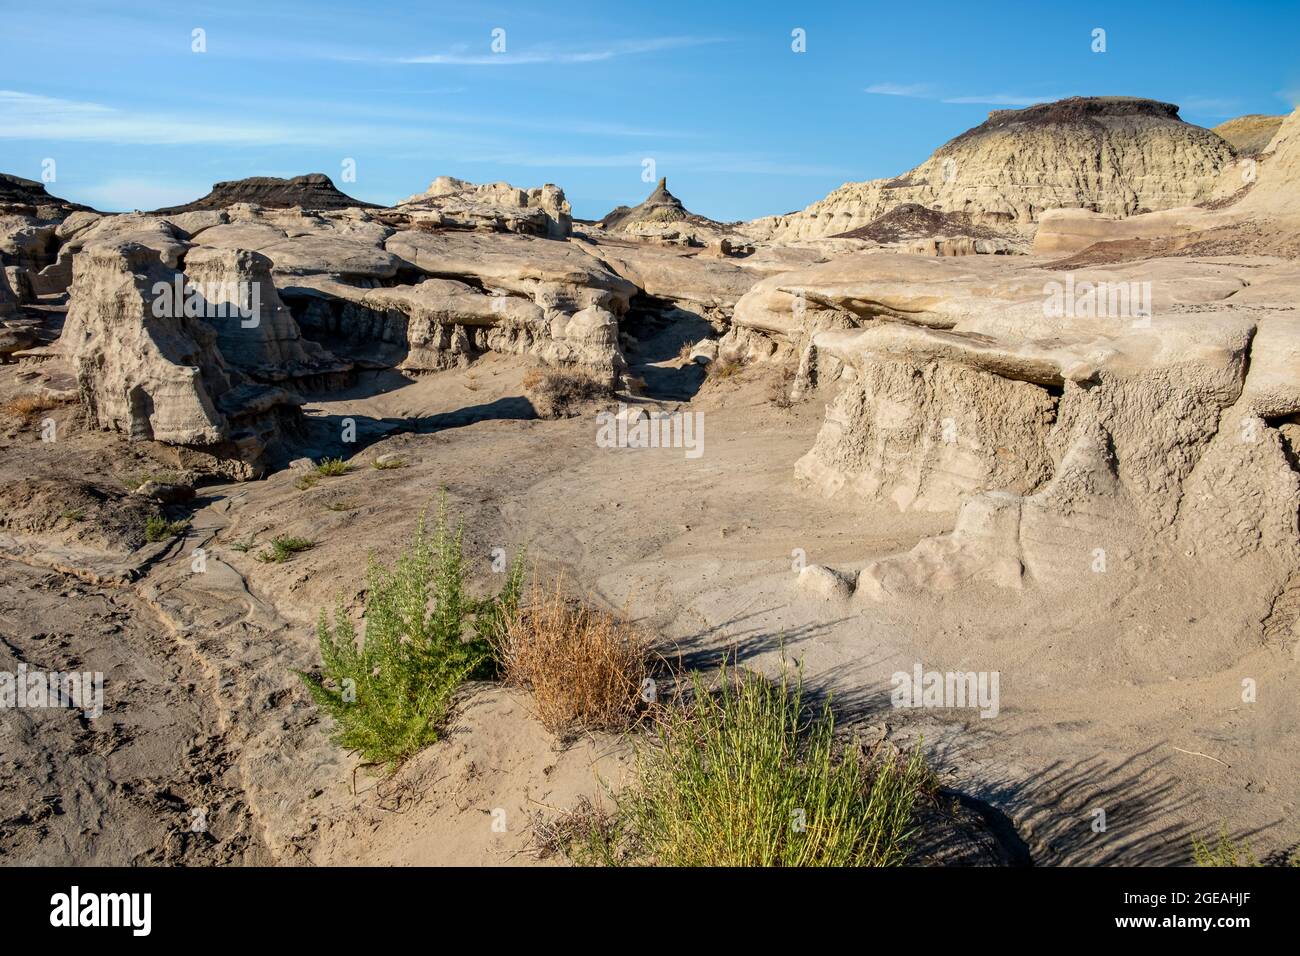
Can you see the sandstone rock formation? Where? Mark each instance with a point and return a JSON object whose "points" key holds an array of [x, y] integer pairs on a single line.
{"points": [[451, 203], [312, 191], [1248, 135], [1112, 155], [471, 293], [1255, 209], [20, 192], [1060, 430], [255, 331], [663, 217], [149, 371]]}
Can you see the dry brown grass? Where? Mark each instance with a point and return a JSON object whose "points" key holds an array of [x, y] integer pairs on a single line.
{"points": [[586, 667], [561, 392], [725, 368], [23, 407]]}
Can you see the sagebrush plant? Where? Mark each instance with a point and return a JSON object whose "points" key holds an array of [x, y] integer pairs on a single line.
{"points": [[390, 693], [584, 666], [746, 775]]}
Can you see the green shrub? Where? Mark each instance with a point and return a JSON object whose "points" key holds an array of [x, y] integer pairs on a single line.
{"points": [[158, 528], [332, 467], [245, 546], [1223, 852], [283, 548], [746, 776], [390, 694]]}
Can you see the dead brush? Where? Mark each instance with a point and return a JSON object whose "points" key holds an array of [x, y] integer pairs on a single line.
{"points": [[23, 407], [561, 392], [585, 666]]}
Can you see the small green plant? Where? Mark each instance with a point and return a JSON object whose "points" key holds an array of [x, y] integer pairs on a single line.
{"points": [[332, 467], [391, 692], [283, 548], [74, 514], [245, 546], [1223, 852], [307, 481], [386, 464], [158, 528], [746, 776], [345, 504]]}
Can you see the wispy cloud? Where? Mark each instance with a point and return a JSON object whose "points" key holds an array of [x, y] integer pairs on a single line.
{"points": [[918, 90], [737, 163], [37, 117], [463, 57], [32, 116], [924, 91]]}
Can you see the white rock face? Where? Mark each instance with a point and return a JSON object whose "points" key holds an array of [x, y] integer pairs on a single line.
{"points": [[1060, 441], [451, 203], [153, 374], [1112, 155], [255, 331]]}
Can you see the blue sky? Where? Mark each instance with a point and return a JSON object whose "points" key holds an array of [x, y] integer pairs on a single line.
{"points": [[740, 124]]}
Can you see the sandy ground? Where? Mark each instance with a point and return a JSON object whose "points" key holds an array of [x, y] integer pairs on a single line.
{"points": [[1124, 698]]}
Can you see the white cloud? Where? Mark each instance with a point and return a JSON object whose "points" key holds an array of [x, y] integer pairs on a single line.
{"points": [[925, 91], [919, 90], [459, 57], [31, 116]]}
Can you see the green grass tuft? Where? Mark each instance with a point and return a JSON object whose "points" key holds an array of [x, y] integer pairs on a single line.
{"points": [[283, 548], [158, 528], [332, 467], [391, 693], [747, 776]]}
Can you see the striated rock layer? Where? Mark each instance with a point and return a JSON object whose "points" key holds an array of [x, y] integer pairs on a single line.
{"points": [[1112, 155], [146, 369], [1065, 434]]}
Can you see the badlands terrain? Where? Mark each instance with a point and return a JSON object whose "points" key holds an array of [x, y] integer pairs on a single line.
{"points": [[1031, 408]]}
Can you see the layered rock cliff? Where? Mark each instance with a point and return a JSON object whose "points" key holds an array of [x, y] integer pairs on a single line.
{"points": [[1112, 155]]}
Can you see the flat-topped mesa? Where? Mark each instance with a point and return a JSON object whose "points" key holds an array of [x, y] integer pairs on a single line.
{"points": [[312, 191], [451, 203], [19, 192], [1113, 155]]}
